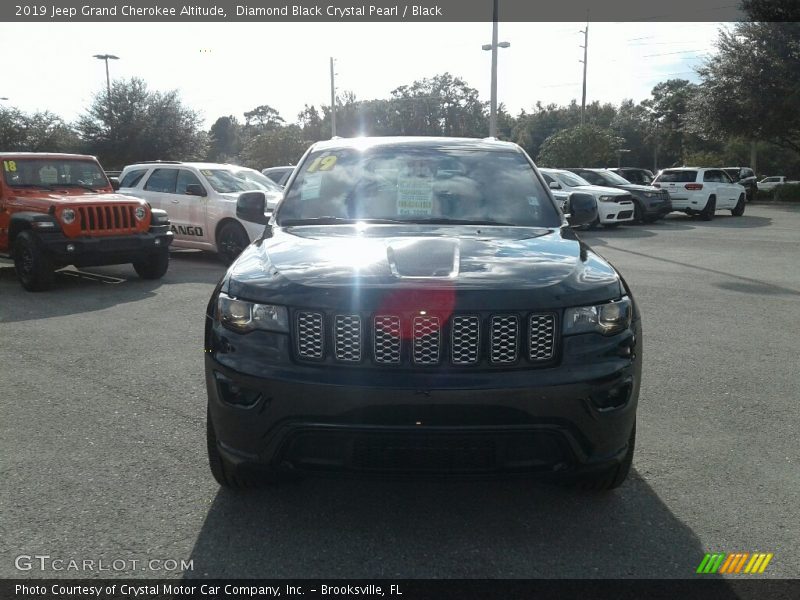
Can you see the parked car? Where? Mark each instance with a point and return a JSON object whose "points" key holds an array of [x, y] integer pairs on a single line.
{"points": [[113, 178], [613, 206], [201, 201], [650, 203], [702, 191], [635, 175], [59, 209], [279, 175], [420, 304], [770, 183], [745, 177]]}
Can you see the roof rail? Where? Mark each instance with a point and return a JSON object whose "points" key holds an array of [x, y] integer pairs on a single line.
{"points": [[159, 162]]}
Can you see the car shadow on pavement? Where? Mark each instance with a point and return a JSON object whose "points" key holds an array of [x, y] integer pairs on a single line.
{"points": [[510, 528]]}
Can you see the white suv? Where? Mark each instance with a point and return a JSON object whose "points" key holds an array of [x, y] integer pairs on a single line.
{"points": [[200, 199], [702, 191], [614, 206]]}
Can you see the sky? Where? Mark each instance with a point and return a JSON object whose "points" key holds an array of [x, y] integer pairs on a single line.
{"points": [[229, 68]]}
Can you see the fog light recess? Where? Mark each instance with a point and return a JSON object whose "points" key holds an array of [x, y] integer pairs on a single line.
{"points": [[233, 393]]}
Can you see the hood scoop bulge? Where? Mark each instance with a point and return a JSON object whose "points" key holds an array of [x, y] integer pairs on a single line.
{"points": [[424, 258]]}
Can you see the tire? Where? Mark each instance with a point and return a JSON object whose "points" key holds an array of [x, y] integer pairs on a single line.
{"points": [[35, 269], [708, 212], [738, 210], [154, 266], [615, 476], [231, 240]]}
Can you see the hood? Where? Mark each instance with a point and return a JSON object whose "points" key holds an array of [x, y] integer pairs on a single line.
{"points": [[38, 197], [325, 265], [635, 187], [599, 189]]}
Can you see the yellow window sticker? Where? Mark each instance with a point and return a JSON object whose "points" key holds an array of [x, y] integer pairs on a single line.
{"points": [[322, 163], [10, 165], [207, 173]]}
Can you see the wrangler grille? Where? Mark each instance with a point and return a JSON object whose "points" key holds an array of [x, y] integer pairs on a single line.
{"points": [[500, 340], [107, 218]]}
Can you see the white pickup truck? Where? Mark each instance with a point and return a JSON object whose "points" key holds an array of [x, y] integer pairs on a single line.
{"points": [[770, 183]]}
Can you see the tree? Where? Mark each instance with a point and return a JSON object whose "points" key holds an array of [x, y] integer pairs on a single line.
{"points": [[273, 148], [581, 146], [442, 105], [263, 118], [141, 125], [37, 132], [751, 87], [668, 108], [225, 139], [311, 123]]}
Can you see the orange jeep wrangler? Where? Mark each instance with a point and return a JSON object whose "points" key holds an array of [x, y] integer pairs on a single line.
{"points": [[59, 209]]}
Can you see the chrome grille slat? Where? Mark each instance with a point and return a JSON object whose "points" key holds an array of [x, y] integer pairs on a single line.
{"points": [[426, 336], [387, 339], [310, 334], [465, 340], [504, 339], [347, 338], [541, 337]]}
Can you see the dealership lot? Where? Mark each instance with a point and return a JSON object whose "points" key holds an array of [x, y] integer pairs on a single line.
{"points": [[103, 447]]}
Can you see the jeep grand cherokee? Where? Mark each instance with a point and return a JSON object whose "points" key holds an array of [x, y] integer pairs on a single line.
{"points": [[421, 305]]}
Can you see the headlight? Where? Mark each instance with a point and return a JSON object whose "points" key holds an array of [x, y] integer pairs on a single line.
{"points": [[607, 319], [649, 194], [68, 216], [606, 198], [140, 213], [243, 316]]}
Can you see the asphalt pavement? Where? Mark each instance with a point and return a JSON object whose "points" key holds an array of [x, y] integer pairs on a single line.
{"points": [[102, 442]]}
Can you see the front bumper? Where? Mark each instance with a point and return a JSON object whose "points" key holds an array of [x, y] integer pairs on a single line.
{"points": [[555, 421], [111, 250], [655, 207], [615, 212]]}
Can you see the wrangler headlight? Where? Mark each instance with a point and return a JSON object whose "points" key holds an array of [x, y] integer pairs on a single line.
{"points": [[243, 316], [68, 216], [607, 319], [140, 213]]}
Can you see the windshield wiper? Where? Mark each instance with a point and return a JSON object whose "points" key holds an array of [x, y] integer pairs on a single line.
{"points": [[80, 185], [41, 186], [446, 221], [336, 221]]}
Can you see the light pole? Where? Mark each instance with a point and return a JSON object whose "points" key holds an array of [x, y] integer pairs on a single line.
{"points": [[493, 47], [333, 101], [106, 58]]}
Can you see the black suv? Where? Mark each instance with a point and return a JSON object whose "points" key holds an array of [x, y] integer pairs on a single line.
{"points": [[649, 203], [635, 174], [745, 177], [421, 305]]}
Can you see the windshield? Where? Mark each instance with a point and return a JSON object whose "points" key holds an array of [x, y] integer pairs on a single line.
{"points": [[54, 172], [613, 178], [570, 179], [227, 181], [418, 184]]}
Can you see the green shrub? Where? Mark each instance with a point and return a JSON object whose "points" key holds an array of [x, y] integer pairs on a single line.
{"points": [[765, 194], [788, 192]]}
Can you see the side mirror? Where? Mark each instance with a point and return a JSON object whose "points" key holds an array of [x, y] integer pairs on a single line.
{"points": [[554, 185], [251, 206], [581, 209], [114, 181], [195, 189]]}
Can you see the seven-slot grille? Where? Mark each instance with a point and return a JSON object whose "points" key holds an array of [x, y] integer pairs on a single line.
{"points": [[422, 340], [107, 218]]}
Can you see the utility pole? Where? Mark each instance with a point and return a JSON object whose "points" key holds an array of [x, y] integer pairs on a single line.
{"points": [[106, 57], [585, 47], [493, 47], [333, 102]]}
